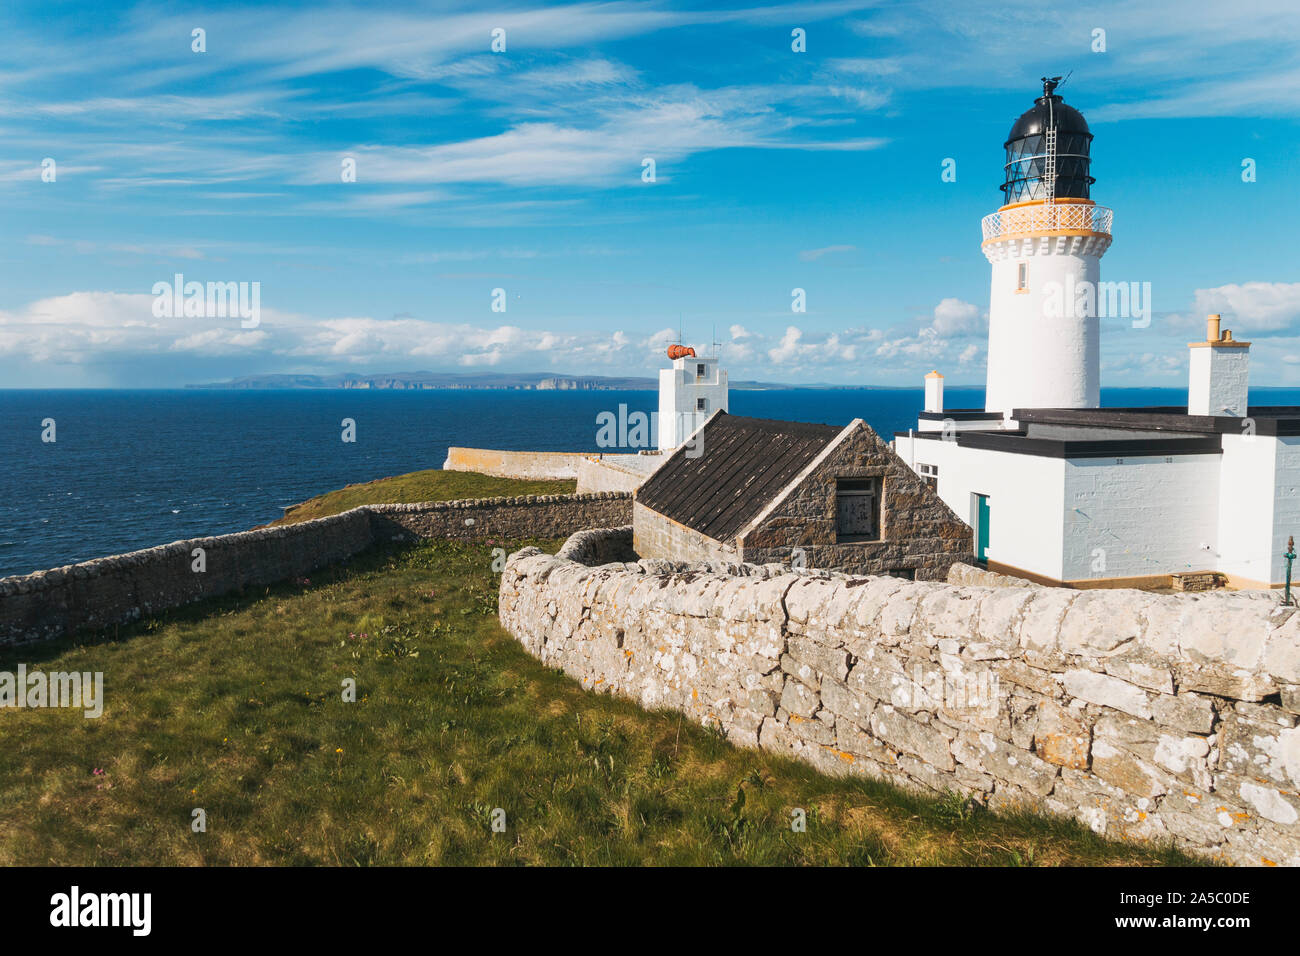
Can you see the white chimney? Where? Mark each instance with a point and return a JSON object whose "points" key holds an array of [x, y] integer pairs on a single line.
{"points": [[934, 393], [1220, 373]]}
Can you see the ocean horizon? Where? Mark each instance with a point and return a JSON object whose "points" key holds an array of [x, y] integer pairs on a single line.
{"points": [[135, 468]]}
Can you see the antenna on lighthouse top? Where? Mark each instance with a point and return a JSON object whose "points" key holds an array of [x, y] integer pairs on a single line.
{"points": [[1050, 85], [716, 344], [1049, 159]]}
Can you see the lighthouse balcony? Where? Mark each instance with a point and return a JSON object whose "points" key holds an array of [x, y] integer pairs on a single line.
{"points": [[1044, 219]]}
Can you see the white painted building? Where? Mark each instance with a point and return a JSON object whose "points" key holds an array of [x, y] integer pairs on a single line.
{"points": [[1061, 490], [689, 392]]}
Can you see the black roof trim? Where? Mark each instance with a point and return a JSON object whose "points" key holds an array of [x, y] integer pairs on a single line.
{"points": [[960, 415], [1016, 443], [1269, 419]]}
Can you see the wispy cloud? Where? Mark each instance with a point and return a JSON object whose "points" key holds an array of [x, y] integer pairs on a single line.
{"points": [[812, 255]]}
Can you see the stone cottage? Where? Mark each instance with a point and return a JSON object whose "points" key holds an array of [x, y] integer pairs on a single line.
{"points": [[758, 490]]}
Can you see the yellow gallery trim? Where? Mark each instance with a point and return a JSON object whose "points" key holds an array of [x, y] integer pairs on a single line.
{"points": [[1043, 202]]}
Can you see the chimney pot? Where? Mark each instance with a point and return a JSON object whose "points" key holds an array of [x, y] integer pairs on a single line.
{"points": [[1212, 328]]}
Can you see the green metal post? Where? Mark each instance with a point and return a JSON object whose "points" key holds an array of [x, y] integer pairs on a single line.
{"points": [[1290, 557]]}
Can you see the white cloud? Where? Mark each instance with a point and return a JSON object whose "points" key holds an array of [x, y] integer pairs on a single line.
{"points": [[86, 327], [867, 66], [593, 72], [867, 99], [955, 331], [812, 255], [1254, 307], [955, 317], [603, 148], [792, 350]]}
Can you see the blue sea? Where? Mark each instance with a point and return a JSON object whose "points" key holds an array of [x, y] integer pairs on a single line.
{"points": [[132, 469]]}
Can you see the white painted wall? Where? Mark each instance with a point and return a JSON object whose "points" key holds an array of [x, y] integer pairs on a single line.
{"points": [[1230, 513], [1050, 516], [1218, 380], [1147, 516], [1286, 504], [1246, 505], [951, 425], [1036, 360], [1025, 498], [680, 387]]}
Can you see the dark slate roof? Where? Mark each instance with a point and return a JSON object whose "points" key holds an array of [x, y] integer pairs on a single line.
{"points": [[746, 463]]}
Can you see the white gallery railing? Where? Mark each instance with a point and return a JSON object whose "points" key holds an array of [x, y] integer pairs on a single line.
{"points": [[1045, 218]]}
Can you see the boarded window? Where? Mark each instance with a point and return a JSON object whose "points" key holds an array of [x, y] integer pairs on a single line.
{"points": [[857, 509]]}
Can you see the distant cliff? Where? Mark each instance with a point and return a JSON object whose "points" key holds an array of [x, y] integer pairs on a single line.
{"points": [[428, 380], [542, 381]]}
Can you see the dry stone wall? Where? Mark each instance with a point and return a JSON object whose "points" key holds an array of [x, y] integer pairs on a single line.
{"points": [[1145, 716], [124, 587], [526, 516]]}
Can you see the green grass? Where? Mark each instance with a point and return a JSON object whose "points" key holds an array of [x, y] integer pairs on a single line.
{"points": [[235, 706], [418, 486]]}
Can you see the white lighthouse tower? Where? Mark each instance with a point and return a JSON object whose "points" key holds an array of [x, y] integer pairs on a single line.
{"points": [[689, 392], [1045, 245]]}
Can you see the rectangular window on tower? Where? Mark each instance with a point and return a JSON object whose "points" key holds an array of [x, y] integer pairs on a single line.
{"points": [[699, 372], [701, 405], [1022, 277]]}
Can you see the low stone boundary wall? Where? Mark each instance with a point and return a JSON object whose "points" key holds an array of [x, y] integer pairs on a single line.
{"points": [[514, 464], [599, 546], [526, 516], [1145, 716], [118, 589]]}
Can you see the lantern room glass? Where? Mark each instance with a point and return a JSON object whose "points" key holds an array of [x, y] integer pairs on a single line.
{"points": [[1027, 154]]}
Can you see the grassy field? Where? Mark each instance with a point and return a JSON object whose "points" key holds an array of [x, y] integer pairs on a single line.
{"points": [[236, 706], [431, 485]]}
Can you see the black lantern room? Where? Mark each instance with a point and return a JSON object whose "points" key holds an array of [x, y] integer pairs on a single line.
{"points": [[1027, 147]]}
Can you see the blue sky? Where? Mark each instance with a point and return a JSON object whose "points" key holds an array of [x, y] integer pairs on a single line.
{"points": [[522, 170]]}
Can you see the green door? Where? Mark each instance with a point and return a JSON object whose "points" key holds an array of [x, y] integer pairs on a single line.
{"points": [[982, 527]]}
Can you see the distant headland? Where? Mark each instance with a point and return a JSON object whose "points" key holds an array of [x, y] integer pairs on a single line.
{"points": [[538, 381]]}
